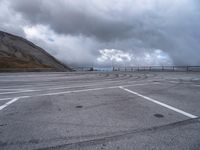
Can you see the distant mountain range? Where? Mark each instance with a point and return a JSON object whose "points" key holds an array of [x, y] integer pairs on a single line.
{"points": [[19, 53]]}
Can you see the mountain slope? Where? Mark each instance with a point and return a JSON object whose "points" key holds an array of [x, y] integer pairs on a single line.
{"points": [[17, 52]]}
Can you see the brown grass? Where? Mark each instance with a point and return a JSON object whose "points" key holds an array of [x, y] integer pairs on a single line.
{"points": [[18, 63]]}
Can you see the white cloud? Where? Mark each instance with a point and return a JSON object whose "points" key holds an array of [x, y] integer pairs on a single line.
{"points": [[10, 21], [113, 55], [141, 58], [69, 49]]}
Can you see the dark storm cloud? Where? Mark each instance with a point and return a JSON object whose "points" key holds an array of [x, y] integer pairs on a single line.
{"points": [[129, 25], [74, 18]]}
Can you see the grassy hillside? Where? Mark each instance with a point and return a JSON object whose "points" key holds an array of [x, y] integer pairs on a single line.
{"points": [[17, 52], [18, 63]]}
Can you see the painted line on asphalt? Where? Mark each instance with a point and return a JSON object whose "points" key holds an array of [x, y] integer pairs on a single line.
{"points": [[6, 89], [138, 84], [9, 98], [196, 85], [59, 88], [47, 85], [76, 91], [17, 92], [48, 89], [36, 79], [8, 103], [58, 93], [160, 103], [173, 81], [5, 99], [86, 90]]}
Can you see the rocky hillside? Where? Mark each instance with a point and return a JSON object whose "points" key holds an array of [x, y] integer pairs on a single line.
{"points": [[17, 52]]}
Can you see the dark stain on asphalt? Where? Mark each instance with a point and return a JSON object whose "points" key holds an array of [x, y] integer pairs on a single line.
{"points": [[79, 106], [159, 115], [2, 125]]}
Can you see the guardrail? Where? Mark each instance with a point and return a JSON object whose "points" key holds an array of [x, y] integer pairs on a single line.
{"points": [[159, 68], [84, 69], [143, 68]]}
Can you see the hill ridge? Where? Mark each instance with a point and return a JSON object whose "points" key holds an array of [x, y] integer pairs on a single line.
{"points": [[18, 52]]}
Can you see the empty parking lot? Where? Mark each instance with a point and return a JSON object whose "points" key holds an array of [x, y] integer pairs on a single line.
{"points": [[100, 110]]}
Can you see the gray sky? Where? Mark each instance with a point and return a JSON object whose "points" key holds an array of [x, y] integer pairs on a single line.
{"points": [[102, 32]]}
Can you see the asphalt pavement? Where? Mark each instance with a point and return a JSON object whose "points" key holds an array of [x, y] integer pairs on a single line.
{"points": [[100, 110]]}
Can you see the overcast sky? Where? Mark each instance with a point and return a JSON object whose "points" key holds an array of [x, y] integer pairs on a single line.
{"points": [[105, 32]]}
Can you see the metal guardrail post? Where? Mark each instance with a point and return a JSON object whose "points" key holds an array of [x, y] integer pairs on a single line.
{"points": [[132, 68]]}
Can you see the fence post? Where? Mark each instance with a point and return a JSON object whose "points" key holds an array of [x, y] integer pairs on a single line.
{"points": [[162, 68], [187, 68]]}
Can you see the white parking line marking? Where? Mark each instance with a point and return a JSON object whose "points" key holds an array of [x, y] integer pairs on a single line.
{"points": [[58, 93], [75, 91], [17, 92], [8, 103], [42, 86], [160, 103], [11, 89], [5, 99], [138, 84], [196, 85]]}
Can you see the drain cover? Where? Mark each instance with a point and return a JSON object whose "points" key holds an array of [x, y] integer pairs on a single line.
{"points": [[158, 115], [79, 106], [1, 125]]}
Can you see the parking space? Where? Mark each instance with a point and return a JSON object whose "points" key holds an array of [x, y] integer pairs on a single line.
{"points": [[182, 96], [73, 110]]}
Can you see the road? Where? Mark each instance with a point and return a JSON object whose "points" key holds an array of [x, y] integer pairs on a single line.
{"points": [[100, 110]]}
